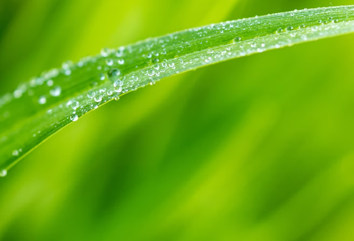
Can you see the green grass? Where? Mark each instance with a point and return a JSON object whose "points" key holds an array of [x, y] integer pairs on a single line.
{"points": [[39, 108]]}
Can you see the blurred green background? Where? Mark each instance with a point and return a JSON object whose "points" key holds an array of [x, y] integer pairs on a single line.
{"points": [[257, 148]]}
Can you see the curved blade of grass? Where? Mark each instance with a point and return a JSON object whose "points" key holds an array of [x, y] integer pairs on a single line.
{"points": [[39, 108]]}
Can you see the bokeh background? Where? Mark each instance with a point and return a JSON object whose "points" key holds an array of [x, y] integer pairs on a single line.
{"points": [[257, 148]]}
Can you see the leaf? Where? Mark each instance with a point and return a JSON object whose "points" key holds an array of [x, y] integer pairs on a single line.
{"points": [[39, 108]]}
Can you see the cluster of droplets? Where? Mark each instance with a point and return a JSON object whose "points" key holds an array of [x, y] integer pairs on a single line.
{"points": [[125, 69]]}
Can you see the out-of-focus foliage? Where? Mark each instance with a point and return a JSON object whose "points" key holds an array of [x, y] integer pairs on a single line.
{"points": [[265, 154]]}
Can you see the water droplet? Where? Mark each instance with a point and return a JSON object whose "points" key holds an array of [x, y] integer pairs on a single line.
{"points": [[114, 72], [109, 62], [102, 76], [98, 98], [17, 93], [55, 91], [67, 64], [279, 30], [42, 100], [120, 61], [105, 52], [119, 52], [290, 28], [118, 89], [237, 39], [15, 152], [91, 94], [50, 82], [3, 173], [67, 72], [118, 83], [75, 104], [150, 72], [74, 117]]}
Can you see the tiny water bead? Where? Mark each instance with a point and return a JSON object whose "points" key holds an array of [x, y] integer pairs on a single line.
{"points": [[42, 100], [91, 94], [118, 89], [56, 91], [105, 52], [75, 104], [102, 76], [118, 83], [109, 62], [67, 64], [74, 117], [114, 72], [3, 173], [150, 72], [67, 72], [98, 98], [50, 82], [237, 39], [119, 52], [15, 152]]}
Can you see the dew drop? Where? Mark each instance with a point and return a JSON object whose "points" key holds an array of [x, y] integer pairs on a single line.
{"points": [[17, 93], [55, 91], [119, 52], [42, 100], [109, 62], [15, 152], [98, 98], [150, 72], [102, 76], [105, 52], [118, 89], [114, 72], [279, 30], [50, 82], [3, 173], [91, 94], [67, 72], [237, 39], [120, 61], [67, 64], [74, 117], [75, 104], [118, 83]]}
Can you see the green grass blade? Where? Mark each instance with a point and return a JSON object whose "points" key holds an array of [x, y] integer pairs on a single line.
{"points": [[41, 107]]}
